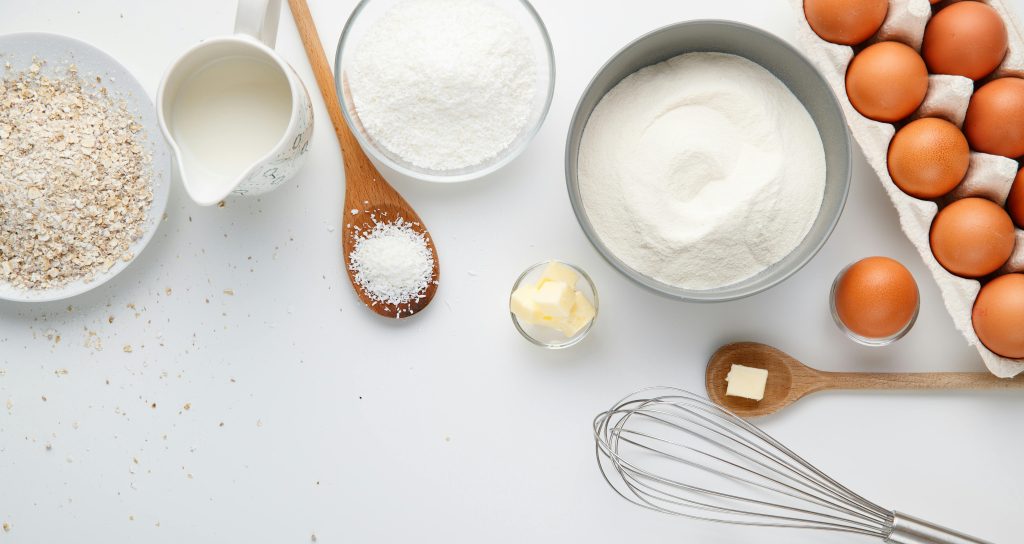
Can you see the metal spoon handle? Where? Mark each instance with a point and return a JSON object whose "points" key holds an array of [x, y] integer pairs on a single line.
{"points": [[910, 530]]}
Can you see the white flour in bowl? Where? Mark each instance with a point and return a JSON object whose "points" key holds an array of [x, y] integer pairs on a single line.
{"points": [[444, 84], [701, 171]]}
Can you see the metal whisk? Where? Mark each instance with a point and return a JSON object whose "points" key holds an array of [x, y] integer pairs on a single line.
{"points": [[677, 453]]}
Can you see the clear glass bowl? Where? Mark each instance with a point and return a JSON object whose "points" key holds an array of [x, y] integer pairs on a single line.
{"points": [[546, 337], [864, 340], [363, 17]]}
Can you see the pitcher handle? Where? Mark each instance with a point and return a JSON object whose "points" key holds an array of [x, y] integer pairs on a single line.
{"points": [[259, 19]]}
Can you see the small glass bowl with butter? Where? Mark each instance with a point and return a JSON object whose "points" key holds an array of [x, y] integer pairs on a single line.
{"points": [[553, 304]]}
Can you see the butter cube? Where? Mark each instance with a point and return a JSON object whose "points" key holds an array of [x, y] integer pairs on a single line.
{"points": [[557, 271], [582, 314], [746, 382], [554, 299], [523, 305]]}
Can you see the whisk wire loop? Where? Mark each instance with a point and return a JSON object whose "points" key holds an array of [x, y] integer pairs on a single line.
{"points": [[712, 465]]}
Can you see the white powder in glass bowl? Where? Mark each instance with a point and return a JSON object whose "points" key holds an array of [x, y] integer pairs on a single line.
{"points": [[701, 171], [444, 84]]}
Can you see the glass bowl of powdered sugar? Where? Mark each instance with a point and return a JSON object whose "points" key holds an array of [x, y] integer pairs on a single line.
{"points": [[444, 90]]}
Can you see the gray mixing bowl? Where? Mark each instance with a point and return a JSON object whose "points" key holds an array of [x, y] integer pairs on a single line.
{"points": [[779, 58]]}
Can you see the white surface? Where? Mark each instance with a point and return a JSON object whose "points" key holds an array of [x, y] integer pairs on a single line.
{"points": [[448, 427]]}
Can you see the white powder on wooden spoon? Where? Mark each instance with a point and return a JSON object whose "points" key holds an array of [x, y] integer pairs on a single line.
{"points": [[701, 171], [392, 262]]}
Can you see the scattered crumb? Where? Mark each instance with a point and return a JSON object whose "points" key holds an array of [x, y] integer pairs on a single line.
{"points": [[229, 292], [10, 404], [188, 406], [6, 527], [167, 291], [61, 372], [92, 340], [127, 348]]}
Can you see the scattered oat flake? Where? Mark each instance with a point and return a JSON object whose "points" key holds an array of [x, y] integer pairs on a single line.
{"points": [[127, 348], [61, 372], [188, 406], [229, 292], [6, 527]]}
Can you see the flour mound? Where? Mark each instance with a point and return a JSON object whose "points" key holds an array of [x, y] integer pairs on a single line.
{"points": [[701, 171]]}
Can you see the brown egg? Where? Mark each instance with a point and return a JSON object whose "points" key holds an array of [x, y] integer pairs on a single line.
{"points": [[1015, 202], [995, 118], [886, 81], [972, 237], [928, 158], [846, 22], [999, 315], [965, 39], [876, 297]]}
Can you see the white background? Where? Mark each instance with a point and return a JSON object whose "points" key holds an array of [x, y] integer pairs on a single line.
{"points": [[310, 415]]}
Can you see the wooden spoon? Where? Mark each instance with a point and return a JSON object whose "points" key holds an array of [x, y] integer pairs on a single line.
{"points": [[789, 380], [369, 198]]}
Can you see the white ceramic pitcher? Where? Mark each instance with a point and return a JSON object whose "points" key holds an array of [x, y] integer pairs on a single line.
{"points": [[235, 113]]}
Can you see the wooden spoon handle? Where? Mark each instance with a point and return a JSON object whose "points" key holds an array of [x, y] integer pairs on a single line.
{"points": [[923, 380], [325, 80]]}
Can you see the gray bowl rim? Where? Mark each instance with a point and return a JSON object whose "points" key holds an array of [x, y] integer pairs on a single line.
{"points": [[660, 288]]}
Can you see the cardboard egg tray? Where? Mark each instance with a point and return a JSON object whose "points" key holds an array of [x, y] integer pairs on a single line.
{"points": [[988, 176]]}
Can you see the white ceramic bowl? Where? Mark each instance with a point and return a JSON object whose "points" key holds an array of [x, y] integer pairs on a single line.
{"points": [[59, 51], [363, 17]]}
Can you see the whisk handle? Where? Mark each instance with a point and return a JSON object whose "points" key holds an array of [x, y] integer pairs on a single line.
{"points": [[910, 530]]}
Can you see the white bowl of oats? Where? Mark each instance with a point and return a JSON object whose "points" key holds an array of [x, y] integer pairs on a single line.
{"points": [[84, 169]]}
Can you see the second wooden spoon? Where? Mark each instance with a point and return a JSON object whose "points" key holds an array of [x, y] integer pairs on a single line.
{"points": [[368, 196], [790, 380]]}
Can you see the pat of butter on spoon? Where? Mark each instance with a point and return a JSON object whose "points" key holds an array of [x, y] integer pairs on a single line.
{"points": [[746, 382]]}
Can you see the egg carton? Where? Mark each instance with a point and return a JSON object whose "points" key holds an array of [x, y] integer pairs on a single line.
{"points": [[988, 176]]}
